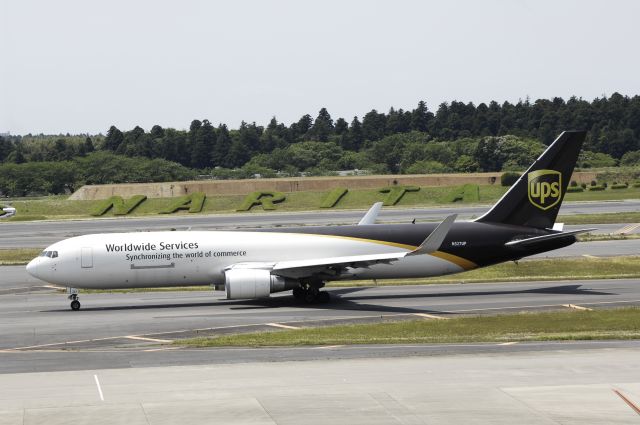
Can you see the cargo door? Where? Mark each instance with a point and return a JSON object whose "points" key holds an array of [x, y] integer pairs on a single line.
{"points": [[86, 258]]}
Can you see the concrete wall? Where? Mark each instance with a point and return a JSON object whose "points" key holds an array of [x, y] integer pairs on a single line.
{"points": [[297, 184]]}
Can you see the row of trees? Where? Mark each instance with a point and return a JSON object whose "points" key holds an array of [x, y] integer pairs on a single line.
{"points": [[95, 168], [456, 137]]}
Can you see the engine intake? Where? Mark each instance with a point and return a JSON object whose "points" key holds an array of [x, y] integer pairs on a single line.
{"points": [[254, 283]]}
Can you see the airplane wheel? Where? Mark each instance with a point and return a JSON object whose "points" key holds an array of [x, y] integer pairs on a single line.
{"points": [[75, 305], [298, 293], [323, 297], [311, 295]]}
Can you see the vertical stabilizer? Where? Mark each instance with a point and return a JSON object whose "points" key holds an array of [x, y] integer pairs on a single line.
{"points": [[534, 200]]}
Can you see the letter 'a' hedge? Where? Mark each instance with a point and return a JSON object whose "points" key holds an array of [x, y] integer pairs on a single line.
{"points": [[194, 203]]}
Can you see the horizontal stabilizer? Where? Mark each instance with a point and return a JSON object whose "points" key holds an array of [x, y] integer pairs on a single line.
{"points": [[544, 238], [371, 215]]}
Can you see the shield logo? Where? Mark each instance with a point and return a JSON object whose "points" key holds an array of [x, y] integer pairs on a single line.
{"points": [[545, 188]]}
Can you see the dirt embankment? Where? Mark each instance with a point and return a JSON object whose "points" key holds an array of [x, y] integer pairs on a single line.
{"points": [[294, 184]]}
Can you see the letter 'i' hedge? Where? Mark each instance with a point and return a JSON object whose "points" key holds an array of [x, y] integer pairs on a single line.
{"points": [[333, 197]]}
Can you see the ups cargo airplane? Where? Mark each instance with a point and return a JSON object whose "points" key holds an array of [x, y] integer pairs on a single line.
{"points": [[257, 263]]}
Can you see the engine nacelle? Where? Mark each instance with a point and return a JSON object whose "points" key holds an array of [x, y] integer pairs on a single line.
{"points": [[254, 283]]}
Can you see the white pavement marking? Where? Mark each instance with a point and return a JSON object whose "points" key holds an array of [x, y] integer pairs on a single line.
{"points": [[590, 256], [629, 228], [279, 325], [430, 316], [509, 343], [577, 307], [98, 385], [327, 347], [142, 338]]}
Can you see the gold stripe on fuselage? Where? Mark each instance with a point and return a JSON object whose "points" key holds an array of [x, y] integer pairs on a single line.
{"points": [[459, 261]]}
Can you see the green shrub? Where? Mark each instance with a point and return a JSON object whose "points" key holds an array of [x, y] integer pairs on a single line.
{"points": [[265, 198], [619, 186], [509, 178], [395, 193], [119, 205], [465, 193], [596, 188], [333, 197], [635, 184], [193, 203], [573, 183], [574, 189]]}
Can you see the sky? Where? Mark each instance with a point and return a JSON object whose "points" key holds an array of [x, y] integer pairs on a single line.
{"points": [[77, 66]]}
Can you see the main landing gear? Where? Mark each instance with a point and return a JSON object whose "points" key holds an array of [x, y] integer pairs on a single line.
{"points": [[311, 294], [73, 296]]}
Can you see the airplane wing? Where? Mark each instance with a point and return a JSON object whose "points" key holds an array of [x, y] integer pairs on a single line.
{"points": [[537, 239], [371, 215], [333, 266]]}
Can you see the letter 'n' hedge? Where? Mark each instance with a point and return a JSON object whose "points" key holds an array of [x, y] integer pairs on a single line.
{"points": [[119, 205]]}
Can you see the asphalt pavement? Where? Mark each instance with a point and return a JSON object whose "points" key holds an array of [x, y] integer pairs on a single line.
{"points": [[42, 321], [546, 383]]}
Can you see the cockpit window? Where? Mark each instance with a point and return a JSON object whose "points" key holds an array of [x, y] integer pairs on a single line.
{"points": [[50, 254], [54, 254]]}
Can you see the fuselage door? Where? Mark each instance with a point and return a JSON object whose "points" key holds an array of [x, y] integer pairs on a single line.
{"points": [[86, 258]]}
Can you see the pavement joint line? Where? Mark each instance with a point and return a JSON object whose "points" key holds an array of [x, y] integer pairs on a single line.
{"points": [[161, 349], [630, 403], [142, 338], [430, 316], [95, 377], [577, 307], [279, 325], [539, 306]]}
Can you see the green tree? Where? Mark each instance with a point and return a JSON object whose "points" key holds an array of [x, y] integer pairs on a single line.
{"points": [[114, 139], [322, 127], [420, 117], [203, 146], [220, 153]]}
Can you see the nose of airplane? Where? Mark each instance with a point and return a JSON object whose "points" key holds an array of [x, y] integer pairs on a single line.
{"points": [[33, 266]]}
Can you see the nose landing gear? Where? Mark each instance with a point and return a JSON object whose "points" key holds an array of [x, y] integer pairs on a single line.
{"points": [[73, 296]]}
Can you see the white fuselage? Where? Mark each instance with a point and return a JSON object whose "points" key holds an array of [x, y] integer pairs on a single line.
{"points": [[156, 259]]}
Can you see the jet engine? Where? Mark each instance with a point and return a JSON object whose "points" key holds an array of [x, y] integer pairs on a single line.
{"points": [[254, 283]]}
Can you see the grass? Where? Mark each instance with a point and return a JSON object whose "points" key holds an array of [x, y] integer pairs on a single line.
{"points": [[623, 217], [57, 207], [551, 326], [529, 270], [18, 256], [588, 237]]}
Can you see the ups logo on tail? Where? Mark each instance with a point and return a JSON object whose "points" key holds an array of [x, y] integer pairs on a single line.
{"points": [[545, 188]]}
